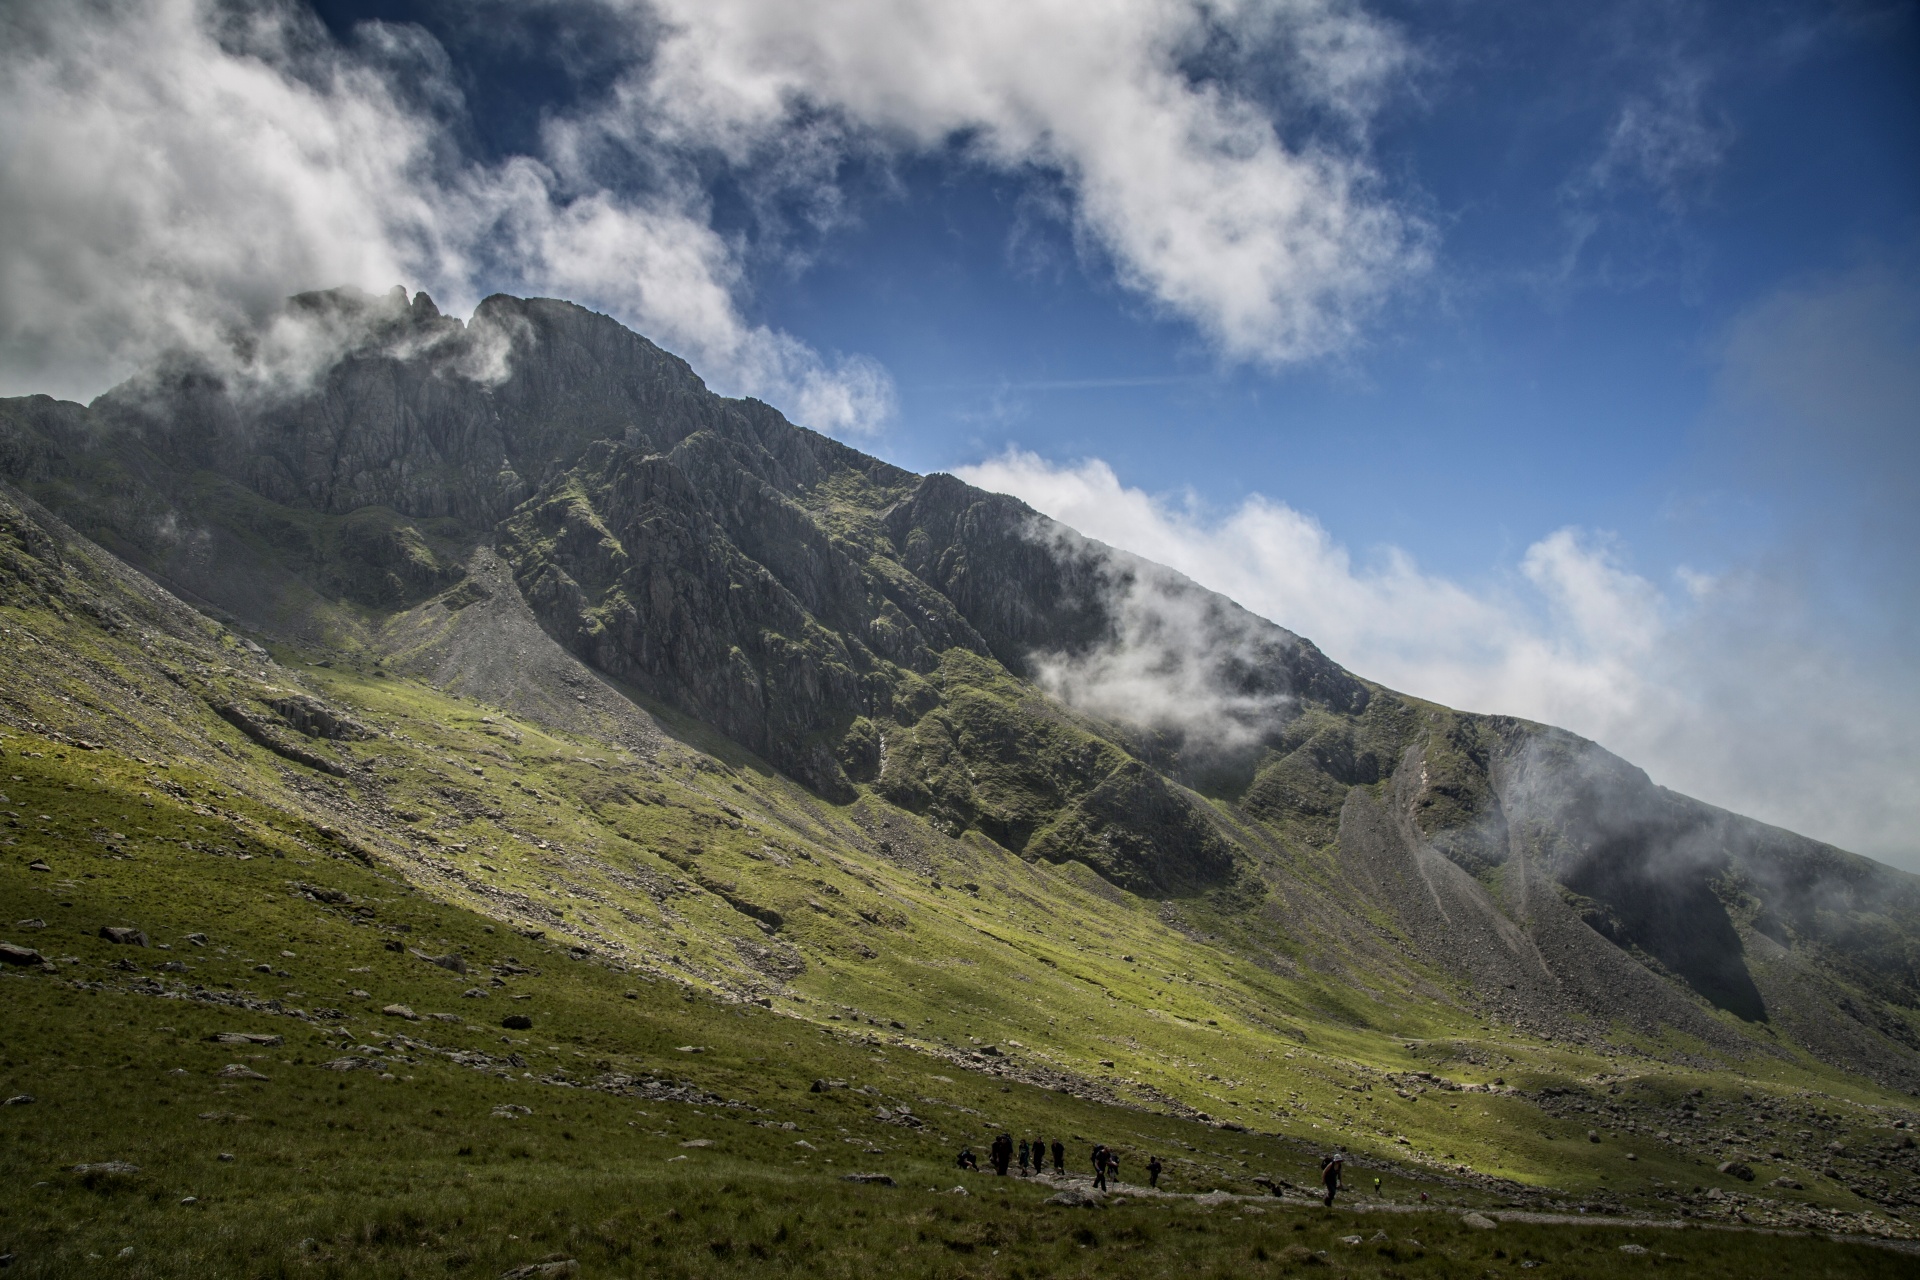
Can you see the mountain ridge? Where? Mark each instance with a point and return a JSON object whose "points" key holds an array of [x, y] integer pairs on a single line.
{"points": [[927, 683]]}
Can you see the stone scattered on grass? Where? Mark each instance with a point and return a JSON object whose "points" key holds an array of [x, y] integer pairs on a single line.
{"points": [[517, 1022], [400, 1011], [1478, 1221], [13, 953], [34, 922], [111, 1168], [123, 935], [538, 1270], [18, 1100], [246, 1037], [235, 1071], [697, 1142], [1077, 1198], [511, 1111], [871, 1179], [1734, 1169]]}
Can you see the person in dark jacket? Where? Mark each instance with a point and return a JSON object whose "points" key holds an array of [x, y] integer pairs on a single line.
{"points": [[1023, 1157], [1060, 1157], [1039, 1157], [1002, 1154], [1100, 1158], [1153, 1171], [967, 1160], [1331, 1167]]}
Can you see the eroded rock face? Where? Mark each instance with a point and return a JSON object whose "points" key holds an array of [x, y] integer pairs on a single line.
{"points": [[864, 628]]}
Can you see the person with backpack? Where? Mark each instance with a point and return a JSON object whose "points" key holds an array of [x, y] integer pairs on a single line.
{"points": [[1153, 1172], [1059, 1158], [1331, 1167], [1023, 1157], [1002, 1154], [1100, 1158], [967, 1160]]}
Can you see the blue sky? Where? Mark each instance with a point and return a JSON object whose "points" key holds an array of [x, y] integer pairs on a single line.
{"points": [[1549, 359]]}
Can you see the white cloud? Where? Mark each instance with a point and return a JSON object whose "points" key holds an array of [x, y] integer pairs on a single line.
{"points": [[170, 170], [1725, 688], [1275, 250]]}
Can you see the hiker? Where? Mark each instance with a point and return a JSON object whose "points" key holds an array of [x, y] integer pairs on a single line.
{"points": [[1059, 1157], [1153, 1172], [1113, 1165], [1002, 1154], [1376, 1188], [1023, 1157], [1039, 1157], [966, 1159], [1331, 1167], [1100, 1157]]}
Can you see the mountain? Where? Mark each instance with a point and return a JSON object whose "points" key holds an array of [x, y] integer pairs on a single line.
{"points": [[517, 612]]}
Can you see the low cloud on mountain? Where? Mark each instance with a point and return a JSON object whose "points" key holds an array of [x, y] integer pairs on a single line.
{"points": [[1726, 688], [172, 170]]}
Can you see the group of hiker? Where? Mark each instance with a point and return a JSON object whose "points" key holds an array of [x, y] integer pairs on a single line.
{"points": [[1032, 1156]]}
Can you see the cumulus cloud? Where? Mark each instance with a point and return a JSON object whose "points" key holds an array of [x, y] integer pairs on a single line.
{"points": [[1723, 687], [171, 170], [1275, 247]]}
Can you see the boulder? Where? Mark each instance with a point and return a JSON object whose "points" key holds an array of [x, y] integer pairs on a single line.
{"points": [[872, 1179], [110, 1168], [126, 937], [400, 1011], [1734, 1169], [246, 1037], [451, 963], [517, 1022], [235, 1071], [13, 953], [18, 1100], [537, 1270], [1478, 1221], [1077, 1197]]}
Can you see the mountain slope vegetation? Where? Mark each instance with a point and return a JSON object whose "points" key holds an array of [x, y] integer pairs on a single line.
{"points": [[507, 646]]}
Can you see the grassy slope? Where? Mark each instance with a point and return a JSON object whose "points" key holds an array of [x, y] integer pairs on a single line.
{"points": [[982, 957]]}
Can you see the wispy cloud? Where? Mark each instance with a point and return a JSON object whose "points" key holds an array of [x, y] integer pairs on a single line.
{"points": [[1722, 686]]}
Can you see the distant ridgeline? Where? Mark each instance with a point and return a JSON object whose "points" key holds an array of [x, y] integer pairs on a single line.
{"points": [[916, 646]]}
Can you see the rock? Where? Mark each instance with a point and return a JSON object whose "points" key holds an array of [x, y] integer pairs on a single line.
{"points": [[1478, 1221], [109, 1168], [517, 1022], [1789, 1183], [34, 923], [1351, 1240], [190, 1200], [1593, 1135], [697, 1142], [234, 1071], [450, 962], [474, 993], [535, 1270], [225, 1157], [37, 865], [1734, 1169], [13, 953], [1078, 1198], [246, 1037], [510, 1111], [871, 1179], [349, 1063], [400, 1011], [197, 939], [1213, 1198], [123, 936], [19, 1100], [1633, 1248]]}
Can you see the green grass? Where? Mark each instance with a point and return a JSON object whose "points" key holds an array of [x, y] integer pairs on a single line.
{"points": [[463, 830]]}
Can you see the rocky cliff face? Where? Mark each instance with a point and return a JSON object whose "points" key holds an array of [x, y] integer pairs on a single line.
{"points": [[948, 651]]}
